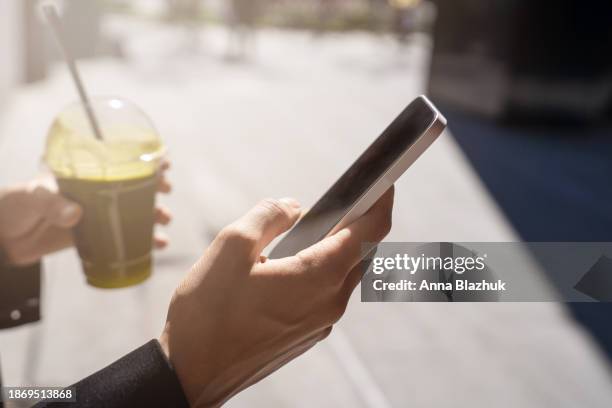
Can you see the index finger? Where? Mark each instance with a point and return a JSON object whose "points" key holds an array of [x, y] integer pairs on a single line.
{"points": [[343, 250]]}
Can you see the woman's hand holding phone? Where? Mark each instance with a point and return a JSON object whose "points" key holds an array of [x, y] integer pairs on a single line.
{"points": [[236, 318]]}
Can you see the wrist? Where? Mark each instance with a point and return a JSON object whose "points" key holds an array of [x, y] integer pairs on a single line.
{"points": [[12, 256], [190, 392], [4, 258], [163, 342]]}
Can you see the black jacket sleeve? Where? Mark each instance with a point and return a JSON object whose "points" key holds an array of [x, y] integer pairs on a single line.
{"points": [[19, 294], [143, 378]]}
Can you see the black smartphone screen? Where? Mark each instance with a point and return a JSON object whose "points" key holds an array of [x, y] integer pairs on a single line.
{"points": [[402, 133]]}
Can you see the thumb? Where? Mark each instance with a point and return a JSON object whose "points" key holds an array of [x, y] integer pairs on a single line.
{"points": [[55, 208], [264, 222]]}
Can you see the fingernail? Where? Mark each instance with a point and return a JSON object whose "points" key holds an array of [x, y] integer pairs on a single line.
{"points": [[70, 212], [292, 202]]}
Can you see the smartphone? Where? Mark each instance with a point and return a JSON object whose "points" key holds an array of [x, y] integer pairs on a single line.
{"points": [[367, 179]]}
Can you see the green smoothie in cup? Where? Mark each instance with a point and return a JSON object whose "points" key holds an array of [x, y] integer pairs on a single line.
{"points": [[115, 180]]}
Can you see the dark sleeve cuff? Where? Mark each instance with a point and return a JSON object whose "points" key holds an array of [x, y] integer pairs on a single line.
{"points": [[143, 378], [19, 294]]}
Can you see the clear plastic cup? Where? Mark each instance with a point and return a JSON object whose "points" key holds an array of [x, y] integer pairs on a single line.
{"points": [[115, 181]]}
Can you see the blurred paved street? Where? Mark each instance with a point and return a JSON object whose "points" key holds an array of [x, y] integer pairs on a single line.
{"points": [[287, 122]]}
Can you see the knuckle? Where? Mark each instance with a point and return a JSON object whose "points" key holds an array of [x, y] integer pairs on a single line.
{"points": [[306, 261], [274, 207], [337, 309], [325, 333], [329, 272], [333, 310], [234, 235], [335, 275], [337, 269], [38, 191]]}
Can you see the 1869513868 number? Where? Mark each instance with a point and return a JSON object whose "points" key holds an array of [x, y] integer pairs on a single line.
{"points": [[37, 394]]}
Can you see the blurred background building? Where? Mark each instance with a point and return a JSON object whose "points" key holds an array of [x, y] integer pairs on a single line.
{"points": [[276, 97], [528, 90]]}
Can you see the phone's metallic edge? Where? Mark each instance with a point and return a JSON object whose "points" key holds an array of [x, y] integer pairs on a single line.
{"points": [[385, 181]]}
